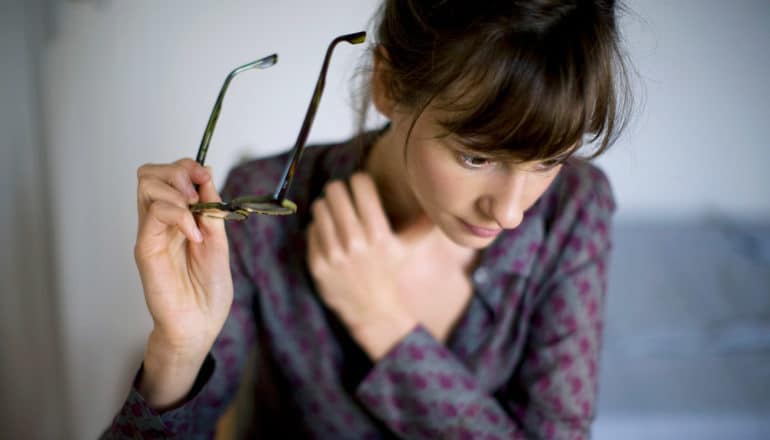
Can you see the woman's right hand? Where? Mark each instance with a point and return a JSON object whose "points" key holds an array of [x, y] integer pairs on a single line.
{"points": [[183, 262]]}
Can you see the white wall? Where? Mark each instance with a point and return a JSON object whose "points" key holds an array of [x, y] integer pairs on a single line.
{"points": [[700, 143], [33, 403], [132, 82]]}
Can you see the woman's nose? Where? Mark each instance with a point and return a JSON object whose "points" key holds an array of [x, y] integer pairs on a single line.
{"points": [[505, 202]]}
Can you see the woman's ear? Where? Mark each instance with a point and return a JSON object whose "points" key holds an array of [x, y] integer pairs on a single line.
{"points": [[380, 78]]}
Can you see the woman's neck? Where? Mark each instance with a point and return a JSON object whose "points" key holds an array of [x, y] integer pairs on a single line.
{"points": [[385, 164]]}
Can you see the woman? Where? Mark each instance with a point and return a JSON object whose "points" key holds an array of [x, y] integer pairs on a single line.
{"points": [[444, 276]]}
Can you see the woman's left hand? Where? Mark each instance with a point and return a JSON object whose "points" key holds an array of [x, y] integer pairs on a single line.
{"points": [[355, 259]]}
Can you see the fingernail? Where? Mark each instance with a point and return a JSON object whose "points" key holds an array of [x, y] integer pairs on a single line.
{"points": [[197, 236]]}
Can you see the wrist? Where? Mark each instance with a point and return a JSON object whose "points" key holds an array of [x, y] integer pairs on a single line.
{"points": [[379, 335], [168, 375], [175, 354]]}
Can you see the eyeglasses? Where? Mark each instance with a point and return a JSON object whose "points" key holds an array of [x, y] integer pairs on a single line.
{"points": [[277, 203]]}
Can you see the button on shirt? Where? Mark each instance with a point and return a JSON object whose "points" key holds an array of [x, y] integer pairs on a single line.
{"points": [[520, 363], [481, 275]]}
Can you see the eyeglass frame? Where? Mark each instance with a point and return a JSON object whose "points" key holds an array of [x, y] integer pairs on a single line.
{"points": [[277, 204]]}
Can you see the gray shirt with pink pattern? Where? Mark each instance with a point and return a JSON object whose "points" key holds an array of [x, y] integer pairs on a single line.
{"points": [[521, 362]]}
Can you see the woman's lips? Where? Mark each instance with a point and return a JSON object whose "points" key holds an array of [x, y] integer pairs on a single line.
{"points": [[479, 231]]}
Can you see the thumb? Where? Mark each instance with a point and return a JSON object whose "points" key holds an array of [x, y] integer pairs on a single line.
{"points": [[208, 193]]}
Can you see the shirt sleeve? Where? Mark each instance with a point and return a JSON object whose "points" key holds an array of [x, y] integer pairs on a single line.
{"points": [[421, 390], [219, 377]]}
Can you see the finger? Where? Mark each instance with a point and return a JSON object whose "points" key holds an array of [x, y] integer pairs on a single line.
{"points": [[349, 230], [326, 232], [199, 174], [151, 189], [163, 215], [182, 175], [208, 193], [173, 174], [370, 210]]}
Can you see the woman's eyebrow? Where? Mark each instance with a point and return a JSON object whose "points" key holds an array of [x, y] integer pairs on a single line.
{"points": [[455, 142], [458, 143]]}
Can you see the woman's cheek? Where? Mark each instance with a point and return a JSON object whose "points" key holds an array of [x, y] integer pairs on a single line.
{"points": [[535, 191], [440, 182]]}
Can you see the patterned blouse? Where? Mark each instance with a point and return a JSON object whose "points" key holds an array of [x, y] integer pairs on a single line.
{"points": [[520, 363]]}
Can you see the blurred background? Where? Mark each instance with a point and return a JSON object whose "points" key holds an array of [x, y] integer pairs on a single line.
{"points": [[92, 89]]}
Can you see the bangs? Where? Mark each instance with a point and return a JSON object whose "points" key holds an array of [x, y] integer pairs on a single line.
{"points": [[530, 98]]}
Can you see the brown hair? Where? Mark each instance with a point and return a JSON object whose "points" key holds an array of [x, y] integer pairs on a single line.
{"points": [[524, 80]]}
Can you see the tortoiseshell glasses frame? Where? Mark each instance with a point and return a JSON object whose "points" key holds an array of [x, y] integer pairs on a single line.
{"points": [[277, 203]]}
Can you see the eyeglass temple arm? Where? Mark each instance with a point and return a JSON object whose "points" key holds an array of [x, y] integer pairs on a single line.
{"points": [[261, 63], [288, 173]]}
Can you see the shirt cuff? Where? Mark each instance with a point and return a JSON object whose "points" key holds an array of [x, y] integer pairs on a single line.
{"points": [[421, 390], [136, 417]]}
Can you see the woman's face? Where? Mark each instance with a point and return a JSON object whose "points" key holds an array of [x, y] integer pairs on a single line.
{"points": [[471, 198]]}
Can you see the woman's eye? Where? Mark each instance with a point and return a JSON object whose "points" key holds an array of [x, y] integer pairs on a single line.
{"points": [[472, 161]]}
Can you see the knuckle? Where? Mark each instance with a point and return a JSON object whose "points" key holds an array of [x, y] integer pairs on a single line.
{"points": [[364, 179], [356, 245], [333, 187], [185, 161], [359, 178], [144, 170], [138, 252], [336, 257], [377, 236], [317, 266], [141, 185], [316, 205], [141, 249], [143, 193], [179, 173], [190, 166], [354, 182], [139, 245]]}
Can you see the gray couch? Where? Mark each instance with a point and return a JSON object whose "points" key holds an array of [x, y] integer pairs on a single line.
{"points": [[687, 336]]}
